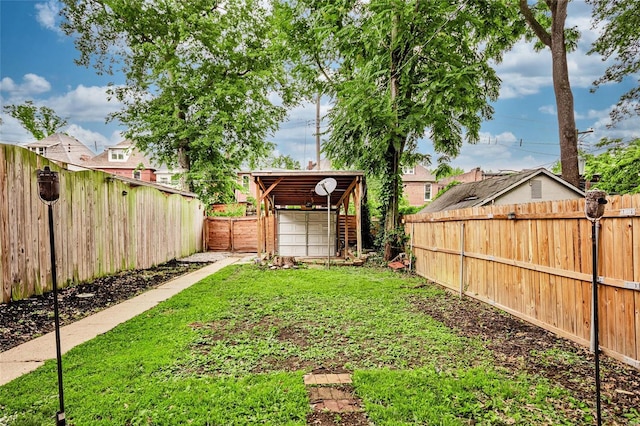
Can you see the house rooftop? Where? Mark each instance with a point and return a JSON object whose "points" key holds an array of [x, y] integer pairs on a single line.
{"points": [[132, 158], [62, 148], [483, 192]]}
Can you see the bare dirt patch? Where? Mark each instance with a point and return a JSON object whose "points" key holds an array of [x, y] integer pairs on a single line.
{"points": [[519, 346]]}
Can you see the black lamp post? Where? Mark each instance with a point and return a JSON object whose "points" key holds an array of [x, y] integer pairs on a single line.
{"points": [[594, 210], [49, 191]]}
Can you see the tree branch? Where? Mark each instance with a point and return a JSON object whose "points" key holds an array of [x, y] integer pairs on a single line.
{"points": [[316, 59], [538, 29]]}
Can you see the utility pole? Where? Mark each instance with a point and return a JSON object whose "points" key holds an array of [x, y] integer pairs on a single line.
{"points": [[581, 160]]}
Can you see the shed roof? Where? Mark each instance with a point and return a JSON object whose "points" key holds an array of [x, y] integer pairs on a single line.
{"points": [[297, 187], [483, 192]]}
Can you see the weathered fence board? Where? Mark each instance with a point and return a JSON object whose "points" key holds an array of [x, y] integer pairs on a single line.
{"points": [[538, 266], [98, 230]]}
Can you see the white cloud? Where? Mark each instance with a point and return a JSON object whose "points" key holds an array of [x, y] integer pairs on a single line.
{"points": [[79, 105], [85, 104], [7, 85], [500, 152], [47, 15], [525, 71], [32, 84], [548, 109], [296, 136], [12, 132], [625, 129], [95, 141]]}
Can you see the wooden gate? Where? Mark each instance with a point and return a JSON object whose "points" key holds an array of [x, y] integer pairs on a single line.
{"points": [[231, 234]]}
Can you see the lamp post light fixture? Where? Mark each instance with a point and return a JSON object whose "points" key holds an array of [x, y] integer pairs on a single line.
{"points": [[595, 201], [49, 192]]}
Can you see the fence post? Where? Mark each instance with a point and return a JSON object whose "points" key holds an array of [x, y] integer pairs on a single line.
{"points": [[461, 258], [411, 248]]}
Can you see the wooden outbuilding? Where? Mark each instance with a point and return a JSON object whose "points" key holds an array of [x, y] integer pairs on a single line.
{"points": [[295, 220]]}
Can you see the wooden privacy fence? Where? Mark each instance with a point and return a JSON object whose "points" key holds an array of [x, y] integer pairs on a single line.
{"points": [[232, 233], [101, 225], [535, 261]]}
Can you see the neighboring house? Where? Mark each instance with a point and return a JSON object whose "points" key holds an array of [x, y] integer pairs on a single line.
{"points": [[65, 150], [325, 164], [419, 185], [474, 175], [124, 159], [517, 188], [165, 176], [248, 187], [248, 184]]}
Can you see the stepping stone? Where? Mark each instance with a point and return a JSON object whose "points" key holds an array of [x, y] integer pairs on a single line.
{"points": [[327, 379], [338, 405], [324, 395]]}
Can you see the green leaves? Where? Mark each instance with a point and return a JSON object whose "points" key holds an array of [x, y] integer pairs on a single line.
{"points": [[617, 169], [619, 41], [201, 76], [401, 70], [39, 121]]}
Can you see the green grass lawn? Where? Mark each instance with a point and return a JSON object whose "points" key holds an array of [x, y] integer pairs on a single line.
{"points": [[232, 350]]}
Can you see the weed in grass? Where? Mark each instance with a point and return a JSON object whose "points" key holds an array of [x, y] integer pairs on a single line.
{"points": [[282, 319], [555, 356], [232, 349], [423, 396], [633, 416]]}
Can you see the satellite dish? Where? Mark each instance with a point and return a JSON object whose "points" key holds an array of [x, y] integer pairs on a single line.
{"points": [[326, 186]]}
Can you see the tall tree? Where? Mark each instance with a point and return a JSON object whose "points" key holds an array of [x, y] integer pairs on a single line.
{"points": [[620, 40], [200, 78], [398, 70], [283, 162], [39, 121], [546, 20]]}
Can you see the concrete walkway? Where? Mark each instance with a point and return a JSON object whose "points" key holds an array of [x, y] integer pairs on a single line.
{"points": [[27, 357]]}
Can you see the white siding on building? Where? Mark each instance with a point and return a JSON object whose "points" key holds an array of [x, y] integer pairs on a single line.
{"points": [[547, 188], [304, 233]]}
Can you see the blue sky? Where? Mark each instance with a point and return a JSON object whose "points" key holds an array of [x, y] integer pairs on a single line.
{"points": [[37, 63]]}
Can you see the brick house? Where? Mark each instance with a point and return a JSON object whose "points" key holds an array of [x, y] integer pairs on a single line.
{"points": [[419, 184], [245, 180], [124, 159]]}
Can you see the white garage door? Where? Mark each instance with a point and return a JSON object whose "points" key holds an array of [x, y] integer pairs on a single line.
{"points": [[304, 233]]}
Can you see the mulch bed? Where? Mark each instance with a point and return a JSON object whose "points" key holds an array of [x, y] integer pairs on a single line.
{"points": [[24, 320], [520, 346]]}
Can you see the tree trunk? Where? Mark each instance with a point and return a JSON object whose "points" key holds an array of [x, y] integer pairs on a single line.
{"points": [[392, 189], [392, 156], [184, 160], [185, 164], [561, 86], [564, 98]]}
